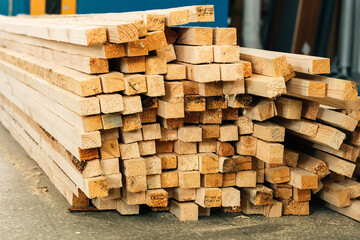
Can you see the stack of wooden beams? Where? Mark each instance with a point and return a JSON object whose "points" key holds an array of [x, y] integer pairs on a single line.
{"points": [[129, 111]]}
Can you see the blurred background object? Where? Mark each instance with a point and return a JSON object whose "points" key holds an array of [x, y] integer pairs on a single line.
{"points": [[327, 28]]}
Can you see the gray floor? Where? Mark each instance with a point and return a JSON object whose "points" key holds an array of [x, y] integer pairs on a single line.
{"points": [[32, 208]]}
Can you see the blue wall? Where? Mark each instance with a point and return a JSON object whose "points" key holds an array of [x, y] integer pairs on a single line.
{"points": [[103, 6], [93, 6]]}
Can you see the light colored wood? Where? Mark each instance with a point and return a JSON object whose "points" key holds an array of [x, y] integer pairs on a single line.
{"points": [[269, 87], [208, 163], [211, 180], [226, 53], [153, 181], [303, 179], [102, 204], [109, 149], [269, 132], [309, 109], [194, 54], [228, 132], [335, 194], [78, 62], [170, 110], [353, 187], [246, 145], [184, 211], [156, 40], [131, 122], [153, 165], [167, 52], [129, 151], [304, 87], [110, 103], [282, 190], [168, 161], [125, 209], [335, 164], [233, 87], [232, 71], [112, 82], [336, 119], [325, 135], [156, 198], [211, 89], [229, 179], [132, 104], [147, 147], [79, 105], [262, 111], [207, 146], [174, 92], [155, 85], [135, 183], [246, 179], [288, 108], [151, 131], [208, 197], [300, 63], [136, 48], [184, 194], [227, 164], [135, 84], [203, 73], [272, 153], [190, 134], [313, 165], [195, 36], [230, 197], [169, 179], [130, 64], [211, 117], [175, 71], [169, 134], [300, 126], [247, 68], [188, 162], [199, 13], [351, 211], [106, 50], [134, 167], [250, 209], [224, 149], [189, 179], [302, 195], [133, 198], [155, 65], [245, 125], [259, 195], [79, 83], [277, 174], [273, 210], [224, 36]]}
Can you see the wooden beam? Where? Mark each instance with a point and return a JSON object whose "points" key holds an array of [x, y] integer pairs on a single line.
{"points": [[304, 87], [269, 87], [197, 36], [337, 119], [288, 108], [269, 132], [303, 127], [194, 54]]}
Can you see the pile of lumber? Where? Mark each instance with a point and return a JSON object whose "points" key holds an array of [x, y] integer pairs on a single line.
{"points": [[128, 111]]}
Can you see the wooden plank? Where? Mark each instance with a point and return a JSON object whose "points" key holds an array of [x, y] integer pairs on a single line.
{"points": [[259, 195], [303, 179], [351, 211], [112, 82], [263, 110], [208, 197], [203, 73], [353, 187], [224, 36], [226, 54], [69, 79], [272, 153], [300, 63], [313, 165], [277, 174], [325, 135], [269, 132], [184, 211], [309, 109], [335, 194], [264, 86], [82, 35], [265, 63], [246, 179], [78, 62], [303, 127], [175, 71], [198, 36], [194, 54], [106, 50], [288, 108], [155, 65], [304, 87], [337, 119]]}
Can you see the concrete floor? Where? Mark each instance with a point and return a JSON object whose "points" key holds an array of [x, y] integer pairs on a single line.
{"points": [[32, 208]]}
